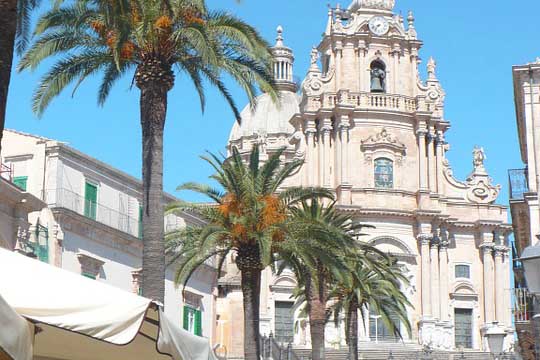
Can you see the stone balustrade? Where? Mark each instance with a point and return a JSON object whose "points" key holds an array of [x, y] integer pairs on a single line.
{"points": [[365, 100]]}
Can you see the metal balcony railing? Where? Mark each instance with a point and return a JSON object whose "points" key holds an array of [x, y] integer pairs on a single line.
{"points": [[519, 184], [67, 199], [523, 306], [6, 172]]}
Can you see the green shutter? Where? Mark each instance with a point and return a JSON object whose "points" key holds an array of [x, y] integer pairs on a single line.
{"points": [[198, 323], [186, 317], [90, 200], [90, 276], [140, 221], [20, 182]]}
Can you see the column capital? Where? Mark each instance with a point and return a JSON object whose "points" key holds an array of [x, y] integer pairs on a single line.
{"points": [[487, 248], [424, 239], [422, 132], [500, 250]]}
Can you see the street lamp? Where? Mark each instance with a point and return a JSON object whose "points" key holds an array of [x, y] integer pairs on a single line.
{"points": [[495, 337], [530, 258]]}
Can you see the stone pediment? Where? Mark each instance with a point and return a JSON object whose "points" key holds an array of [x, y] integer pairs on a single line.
{"points": [[383, 141]]}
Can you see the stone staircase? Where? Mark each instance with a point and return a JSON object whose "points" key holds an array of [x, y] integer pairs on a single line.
{"points": [[381, 351]]}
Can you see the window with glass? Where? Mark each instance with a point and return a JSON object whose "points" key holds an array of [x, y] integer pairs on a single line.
{"points": [[193, 320], [463, 271], [384, 173]]}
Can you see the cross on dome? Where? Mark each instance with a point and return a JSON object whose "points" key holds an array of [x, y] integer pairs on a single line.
{"points": [[372, 4]]}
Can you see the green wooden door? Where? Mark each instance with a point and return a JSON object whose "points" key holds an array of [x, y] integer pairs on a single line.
{"points": [[90, 200], [284, 322], [463, 328]]}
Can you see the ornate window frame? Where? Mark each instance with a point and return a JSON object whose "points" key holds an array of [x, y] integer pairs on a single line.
{"points": [[90, 265], [384, 145]]}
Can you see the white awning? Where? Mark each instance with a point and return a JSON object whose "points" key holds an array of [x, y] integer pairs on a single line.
{"points": [[15, 333], [84, 319]]}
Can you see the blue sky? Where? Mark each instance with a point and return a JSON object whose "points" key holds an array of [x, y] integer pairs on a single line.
{"points": [[475, 44]]}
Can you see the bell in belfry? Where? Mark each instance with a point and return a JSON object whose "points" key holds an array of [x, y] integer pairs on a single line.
{"points": [[378, 77]]}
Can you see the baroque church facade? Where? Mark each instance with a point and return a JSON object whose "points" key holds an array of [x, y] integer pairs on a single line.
{"points": [[369, 128]]}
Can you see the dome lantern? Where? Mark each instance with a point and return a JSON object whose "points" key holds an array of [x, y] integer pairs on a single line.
{"points": [[387, 5], [283, 64]]}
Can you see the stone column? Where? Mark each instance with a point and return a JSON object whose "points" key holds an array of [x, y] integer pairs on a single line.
{"points": [[439, 143], [311, 131], [431, 161], [489, 286], [338, 53], [443, 278], [425, 240], [422, 158], [500, 285], [396, 51], [344, 130], [326, 130], [435, 286], [362, 77]]}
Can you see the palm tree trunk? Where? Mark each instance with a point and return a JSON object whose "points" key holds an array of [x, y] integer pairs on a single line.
{"points": [[251, 290], [153, 104], [316, 298], [8, 28], [352, 330]]}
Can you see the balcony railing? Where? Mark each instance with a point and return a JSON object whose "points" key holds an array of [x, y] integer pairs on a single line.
{"points": [[523, 306], [6, 172], [519, 184], [67, 199]]}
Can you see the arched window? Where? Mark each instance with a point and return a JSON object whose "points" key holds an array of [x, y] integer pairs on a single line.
{"points": [[384, 173], [378, 77]]}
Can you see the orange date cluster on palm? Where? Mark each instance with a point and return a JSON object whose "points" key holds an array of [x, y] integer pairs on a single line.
{"points": [[192, 16], [128, 48], [272, 214]]}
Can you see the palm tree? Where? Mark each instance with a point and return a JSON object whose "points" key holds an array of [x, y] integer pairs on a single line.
{"points": [[320, 240], [375, 285], [247, 218], [14, 27], [152, 38]]}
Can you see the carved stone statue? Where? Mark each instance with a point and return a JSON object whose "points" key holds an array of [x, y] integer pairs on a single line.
{"points": [[479, 156], [314, 58], [378, 80]]}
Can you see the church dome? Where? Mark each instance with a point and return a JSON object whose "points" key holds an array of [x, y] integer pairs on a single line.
{"points": [[373, 4], [269, 118]]}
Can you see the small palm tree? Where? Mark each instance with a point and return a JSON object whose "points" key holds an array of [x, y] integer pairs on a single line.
{"points": [[320, 240], [248, 218], [150, 39], [375, 285]]}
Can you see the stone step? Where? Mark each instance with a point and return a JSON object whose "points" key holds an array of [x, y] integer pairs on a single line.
{"points": [[398, 354]]}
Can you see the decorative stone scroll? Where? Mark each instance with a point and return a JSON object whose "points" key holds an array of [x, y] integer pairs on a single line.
{"points": [[383, 140], [478, 188]]}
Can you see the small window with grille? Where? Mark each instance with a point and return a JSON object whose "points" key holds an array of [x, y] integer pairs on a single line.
{"points": [[463, 271]]}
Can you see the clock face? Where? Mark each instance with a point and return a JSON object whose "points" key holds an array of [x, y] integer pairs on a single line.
{"points": [[379, 25]]}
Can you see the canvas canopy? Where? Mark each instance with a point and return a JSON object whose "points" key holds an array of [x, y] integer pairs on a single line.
{"points": [[82, 319], [15, 334]]}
